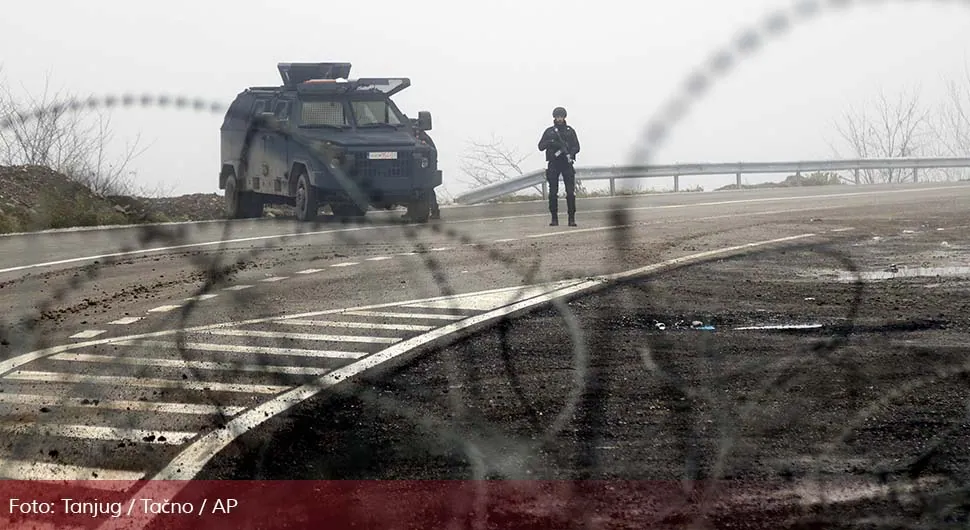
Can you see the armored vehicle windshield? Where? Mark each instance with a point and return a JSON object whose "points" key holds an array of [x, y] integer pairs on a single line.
{"points": [[350, 111]]}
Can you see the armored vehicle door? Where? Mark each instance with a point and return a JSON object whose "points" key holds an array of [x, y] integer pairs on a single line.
{"points": [[276, 148], [257, 167]]}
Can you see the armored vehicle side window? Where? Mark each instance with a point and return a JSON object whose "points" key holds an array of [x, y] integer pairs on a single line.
{"points": [[282, 110], [375, 111], [323, 113], [259, 107]]}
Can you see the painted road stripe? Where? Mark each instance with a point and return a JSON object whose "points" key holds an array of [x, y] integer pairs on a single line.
{"points": [[482, 303], [346, 264], [98, 432], [780, 327], [125, 321], [8, 365], [164, 309], [142, 382], [274, 279], [379, 258], [192, 458], [140, 406], [201, 297], [302, 336], [190, 461], [23, 470], [480, 220], [234, 348], [192, 365], [358, 325], [440, 249], [88, 334], [237, 287], [502, 240], [391, 314], [310, 271]]}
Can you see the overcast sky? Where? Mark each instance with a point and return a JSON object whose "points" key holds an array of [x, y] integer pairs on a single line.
{"points": [[493, 68]]}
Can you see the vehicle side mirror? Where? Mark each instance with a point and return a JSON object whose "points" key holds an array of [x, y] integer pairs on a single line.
{"points": [[424, 120]]}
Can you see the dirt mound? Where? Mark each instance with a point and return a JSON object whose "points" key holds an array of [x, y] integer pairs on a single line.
{"points": [[38, 198], [193, 207], [814, 179]]}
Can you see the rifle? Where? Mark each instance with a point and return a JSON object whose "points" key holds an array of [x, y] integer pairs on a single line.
{"points": [[565, 146]]}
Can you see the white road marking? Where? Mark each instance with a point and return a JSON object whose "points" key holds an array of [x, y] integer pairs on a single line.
{"points": [[10, 364], [379, 258], [357, 325], [98, 433], [346, 264], [780, 327], [233, 348], [23, 470], [140, 406], [274, 279], [478, 220], [125, 321], [309, 271], [142, 382], [302, 336], [89, 333], [705, 218], [190, 365], [502, 240], [191, 460], [389, 314], [578, 230], [164, 309], [237, 287], [847, 229], [440, 249], [201, 297], [487, 302]]}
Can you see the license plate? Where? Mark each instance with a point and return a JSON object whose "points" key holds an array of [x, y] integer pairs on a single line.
{"points": [[390, 155]]}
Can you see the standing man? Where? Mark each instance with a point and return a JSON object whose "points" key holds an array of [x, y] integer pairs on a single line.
{"points": [[561, 145]]}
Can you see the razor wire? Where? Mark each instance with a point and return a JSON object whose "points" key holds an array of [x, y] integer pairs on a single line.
{"points": [[694, 87]]}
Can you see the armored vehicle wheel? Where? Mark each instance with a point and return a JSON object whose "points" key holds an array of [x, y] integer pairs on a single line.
{"points": [[419, 210], [306, 201], [242, 204]]}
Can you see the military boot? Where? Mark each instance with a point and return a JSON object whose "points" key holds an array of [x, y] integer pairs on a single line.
{"points": [[555, 220], [572, 220]]}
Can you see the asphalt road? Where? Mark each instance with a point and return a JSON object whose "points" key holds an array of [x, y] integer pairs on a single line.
{"points": [[101, 403]]}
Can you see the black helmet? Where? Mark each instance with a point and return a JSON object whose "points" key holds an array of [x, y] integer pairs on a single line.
{"points": [[558, 112]]}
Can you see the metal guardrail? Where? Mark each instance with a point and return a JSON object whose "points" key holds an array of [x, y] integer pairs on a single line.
{"points": [[612, 173]]}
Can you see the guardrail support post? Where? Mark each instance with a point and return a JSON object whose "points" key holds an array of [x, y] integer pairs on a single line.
{"points": [[545, 190], [857, 181], [612, 187], [676, 183], [915, 175], [739, 180]]}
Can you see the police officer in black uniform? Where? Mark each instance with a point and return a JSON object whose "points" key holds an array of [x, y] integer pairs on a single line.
{"points": [[561, 145]]}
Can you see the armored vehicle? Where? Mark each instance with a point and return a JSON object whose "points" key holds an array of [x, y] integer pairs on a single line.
{"points": [[322, 138]]}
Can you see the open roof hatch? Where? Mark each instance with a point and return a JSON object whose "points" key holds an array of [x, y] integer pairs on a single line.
{"points": [[295, 73]]}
